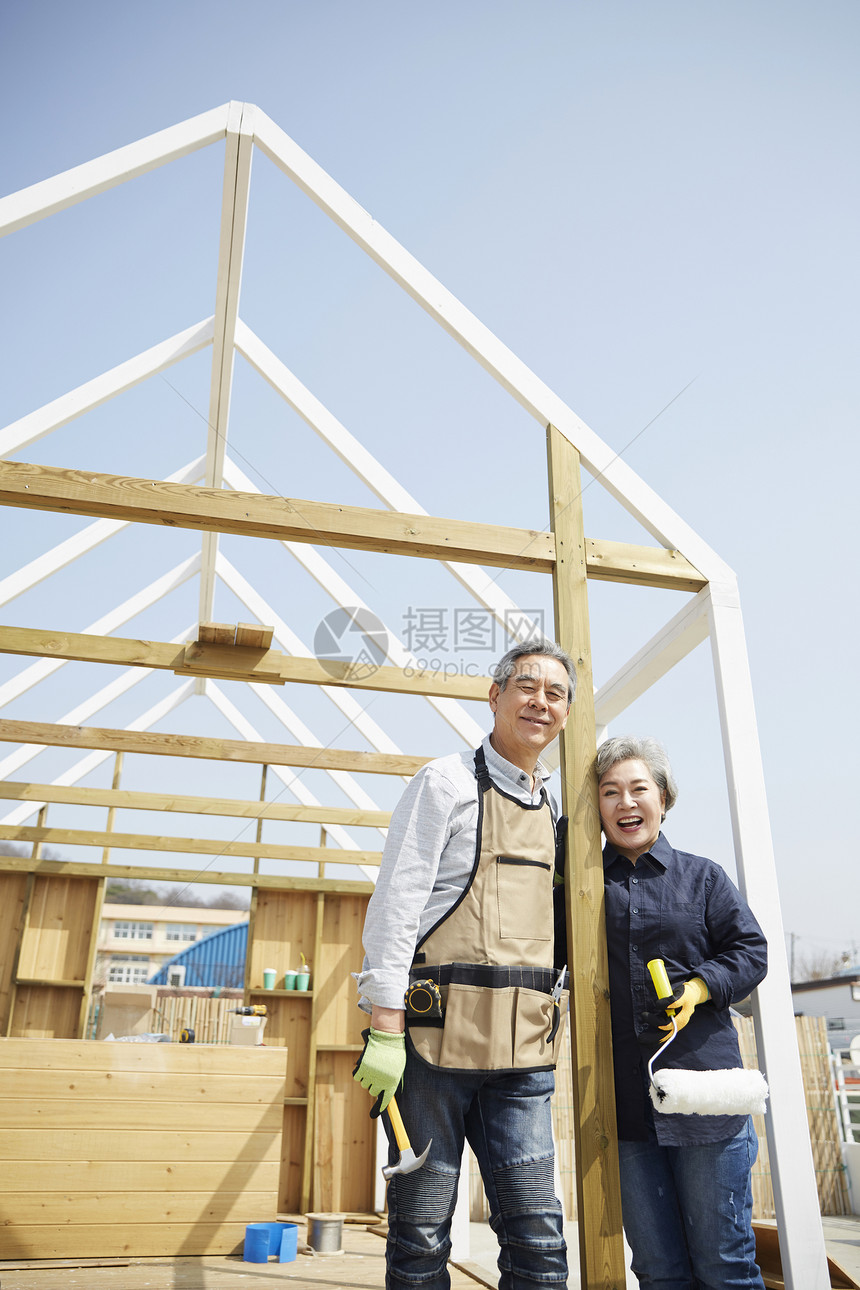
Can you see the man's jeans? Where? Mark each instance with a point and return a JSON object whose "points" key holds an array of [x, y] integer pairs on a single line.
{"points": [[688, 1212], [506, 1120]]}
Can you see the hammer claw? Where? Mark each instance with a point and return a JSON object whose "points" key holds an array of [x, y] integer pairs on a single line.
{"points": [[408, 1161]]}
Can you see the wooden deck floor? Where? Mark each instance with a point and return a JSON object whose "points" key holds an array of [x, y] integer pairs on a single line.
{"points": [[361, 1266]]}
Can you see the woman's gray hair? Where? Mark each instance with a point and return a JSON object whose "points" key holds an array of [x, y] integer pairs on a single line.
{"points": [[542, 645], [639, 748]]}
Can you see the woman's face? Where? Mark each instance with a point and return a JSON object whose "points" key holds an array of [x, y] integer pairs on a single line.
{"points": [[631, 808]]}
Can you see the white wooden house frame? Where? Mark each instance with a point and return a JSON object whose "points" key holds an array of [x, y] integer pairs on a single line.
{"points": [[713, 612]]}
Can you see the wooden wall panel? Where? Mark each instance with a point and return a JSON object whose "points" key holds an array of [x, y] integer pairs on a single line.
{"points": [[59, 929], [137, 1149], [289, 1026], [344, 1138], [283, 929], [292, 1160], [338, 1019], [46, 1012]]}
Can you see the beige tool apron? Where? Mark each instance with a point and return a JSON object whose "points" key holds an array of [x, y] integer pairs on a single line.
{"points": [[492, 953]]}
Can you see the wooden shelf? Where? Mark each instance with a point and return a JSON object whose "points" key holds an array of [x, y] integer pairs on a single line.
{"points": [[68, 985], [295, 1101], [282, 994], [340, 1048]]}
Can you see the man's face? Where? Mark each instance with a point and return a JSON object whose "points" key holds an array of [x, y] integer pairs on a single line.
{"points": [[531, 710]]}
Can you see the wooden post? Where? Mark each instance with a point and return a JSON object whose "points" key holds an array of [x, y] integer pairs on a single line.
{"points": [[308, 1160], [601, 1249], [111, 815], [87, 993], [41, 818], [323, 843], [259, 837], [16, 956]]}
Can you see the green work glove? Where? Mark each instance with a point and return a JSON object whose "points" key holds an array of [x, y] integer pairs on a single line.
{"points": [[380, 1067]]}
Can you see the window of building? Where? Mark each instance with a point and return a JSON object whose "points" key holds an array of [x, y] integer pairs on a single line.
{"points": [[128, 969], [125, 931], [181, 932]]}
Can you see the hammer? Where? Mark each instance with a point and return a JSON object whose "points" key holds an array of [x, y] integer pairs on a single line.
{"points": [[408, 1161]]}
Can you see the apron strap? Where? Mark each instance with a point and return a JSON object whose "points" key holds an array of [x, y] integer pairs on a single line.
{"points": [[482, 775]]}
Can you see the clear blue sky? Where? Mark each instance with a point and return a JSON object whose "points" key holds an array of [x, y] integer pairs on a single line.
{"points": [[637, 199]]}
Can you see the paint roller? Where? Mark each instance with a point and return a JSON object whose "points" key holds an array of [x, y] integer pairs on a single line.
{"points": [[688, 1092]]}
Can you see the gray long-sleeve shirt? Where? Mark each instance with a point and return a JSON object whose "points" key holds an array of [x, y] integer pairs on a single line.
{"points": [[426, 863]]}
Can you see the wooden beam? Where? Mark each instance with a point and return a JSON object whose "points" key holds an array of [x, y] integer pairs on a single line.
{"points": [[254, 635], [216, 634], [18, 791], [191, 846], [236, 663], [151, 501], [601, 1249], [156, 873], [647, 566], [166, 745]]}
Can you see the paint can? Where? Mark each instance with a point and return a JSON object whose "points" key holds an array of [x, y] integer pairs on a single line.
{"points": [[325, 1233]]}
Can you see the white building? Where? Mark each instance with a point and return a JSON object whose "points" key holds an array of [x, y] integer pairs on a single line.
{"points": [[838, 999], [134, 940]]}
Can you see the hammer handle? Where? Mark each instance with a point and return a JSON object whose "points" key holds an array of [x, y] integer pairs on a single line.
{"points": [[398, 1126]]}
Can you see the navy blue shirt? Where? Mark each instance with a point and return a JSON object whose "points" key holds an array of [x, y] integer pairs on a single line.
{"points": [[685, 910]]}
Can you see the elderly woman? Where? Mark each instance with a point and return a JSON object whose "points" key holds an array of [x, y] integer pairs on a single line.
{"points": [[685, 1179]]}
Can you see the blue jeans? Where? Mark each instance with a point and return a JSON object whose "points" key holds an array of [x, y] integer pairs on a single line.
{"points": [[506, 1120], [688, 1213]]}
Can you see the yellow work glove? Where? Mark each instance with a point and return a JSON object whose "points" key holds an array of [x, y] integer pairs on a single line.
{"points": [[695, 991]]}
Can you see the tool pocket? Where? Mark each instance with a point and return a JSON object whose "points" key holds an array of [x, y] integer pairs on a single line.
{"points": [[533, 1018], [478, 1031], [523, 896]]}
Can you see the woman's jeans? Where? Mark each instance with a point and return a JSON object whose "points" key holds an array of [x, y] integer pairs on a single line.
{"points": [[688, 1213], [506, 1120]]}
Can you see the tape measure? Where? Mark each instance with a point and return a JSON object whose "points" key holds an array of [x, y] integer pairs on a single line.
{"points": [[186, 1037], [423, 1001]]}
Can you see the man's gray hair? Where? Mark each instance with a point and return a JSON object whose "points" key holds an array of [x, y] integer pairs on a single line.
{"points": [[543, 646], [639, 748]]}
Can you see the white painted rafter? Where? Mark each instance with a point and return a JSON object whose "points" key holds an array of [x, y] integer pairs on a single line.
{"points": [[371, 472], [289, 778], [265, 613], [451, 710], [75, 185], [88, 763], [234, 219], [512, 374], [143, 599], [59, 412], [64, 553], [687, 629]]}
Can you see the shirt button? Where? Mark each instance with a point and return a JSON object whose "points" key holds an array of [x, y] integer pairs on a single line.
{"points": [[634, 910], [634, 879], [634, 947]]}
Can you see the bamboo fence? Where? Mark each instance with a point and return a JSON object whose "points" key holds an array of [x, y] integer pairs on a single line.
{"points": [[818, 1083], [819, 1087]]}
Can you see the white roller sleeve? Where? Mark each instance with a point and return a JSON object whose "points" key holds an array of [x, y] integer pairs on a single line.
{"points": [[731, 1092]]}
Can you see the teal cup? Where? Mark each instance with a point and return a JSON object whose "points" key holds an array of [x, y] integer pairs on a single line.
{"points": [[303, 980], [289, 980]]}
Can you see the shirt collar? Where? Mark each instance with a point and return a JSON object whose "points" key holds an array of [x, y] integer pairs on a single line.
{"points": [[500, 768], [660, 856]]}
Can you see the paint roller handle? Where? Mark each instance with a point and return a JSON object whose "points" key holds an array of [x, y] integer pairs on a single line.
{"points": [[661, 982]]}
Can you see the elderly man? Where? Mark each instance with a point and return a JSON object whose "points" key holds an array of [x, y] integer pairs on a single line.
{"points": [[464, 994]]}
